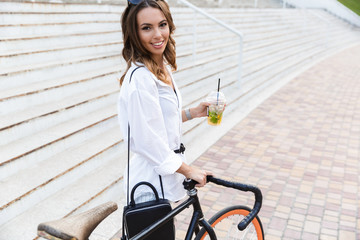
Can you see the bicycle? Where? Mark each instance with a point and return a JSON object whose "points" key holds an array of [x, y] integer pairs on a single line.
{"points": [[234, 222]]}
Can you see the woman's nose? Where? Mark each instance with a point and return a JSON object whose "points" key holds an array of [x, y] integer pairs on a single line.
{"points": [[157, 32]]}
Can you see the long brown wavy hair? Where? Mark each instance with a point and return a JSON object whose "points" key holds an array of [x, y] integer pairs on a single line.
{"points": [[134, 51]]}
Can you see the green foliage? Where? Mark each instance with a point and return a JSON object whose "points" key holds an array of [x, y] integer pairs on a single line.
{"points": [[353, 5]]}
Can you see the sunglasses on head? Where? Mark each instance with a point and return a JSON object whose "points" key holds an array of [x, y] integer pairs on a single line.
{"points": [[135, 2]]}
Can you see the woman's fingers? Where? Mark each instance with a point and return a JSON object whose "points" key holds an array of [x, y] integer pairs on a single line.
{"points": [[203, 178], [194, 173]]}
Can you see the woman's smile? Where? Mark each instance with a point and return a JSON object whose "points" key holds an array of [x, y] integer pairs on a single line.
{"points": [[158, 44]]}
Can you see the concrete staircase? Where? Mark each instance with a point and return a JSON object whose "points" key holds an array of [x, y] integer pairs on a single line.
{"points": [[61, 150]]}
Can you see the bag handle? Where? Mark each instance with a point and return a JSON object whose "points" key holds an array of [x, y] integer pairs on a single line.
{"points": [[132, 203]]}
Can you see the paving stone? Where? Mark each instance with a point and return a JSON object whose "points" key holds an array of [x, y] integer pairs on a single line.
{"points": [[347, 235]]}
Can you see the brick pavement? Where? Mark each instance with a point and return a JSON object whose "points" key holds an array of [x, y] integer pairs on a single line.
{"points": [[302, 148]]}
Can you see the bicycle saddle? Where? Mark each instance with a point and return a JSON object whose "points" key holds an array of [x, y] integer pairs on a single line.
{"points": [[76, 227]]}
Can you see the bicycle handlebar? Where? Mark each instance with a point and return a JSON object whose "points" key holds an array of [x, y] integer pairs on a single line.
{"points": [[242, 187], [190, 184]]}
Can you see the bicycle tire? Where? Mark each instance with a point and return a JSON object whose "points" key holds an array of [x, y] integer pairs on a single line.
{"points": [[225, 224]]}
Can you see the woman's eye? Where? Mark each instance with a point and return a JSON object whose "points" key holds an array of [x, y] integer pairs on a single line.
{"points": [[145, 28], [163, 24]]}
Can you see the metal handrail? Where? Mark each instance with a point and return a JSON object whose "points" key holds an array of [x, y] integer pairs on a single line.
{"points": [[223, 24]]}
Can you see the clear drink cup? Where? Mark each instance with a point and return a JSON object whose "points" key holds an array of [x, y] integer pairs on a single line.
{"points": [[217, 106]]}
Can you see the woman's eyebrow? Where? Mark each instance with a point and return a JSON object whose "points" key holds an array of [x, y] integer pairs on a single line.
{"points": [[149, 24], [146, 24]]}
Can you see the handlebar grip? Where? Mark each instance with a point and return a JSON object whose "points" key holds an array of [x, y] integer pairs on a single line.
{"points": [[242, 187], [247, 220]]}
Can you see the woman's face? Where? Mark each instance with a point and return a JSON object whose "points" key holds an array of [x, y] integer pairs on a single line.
{"points": [[153, 30]]}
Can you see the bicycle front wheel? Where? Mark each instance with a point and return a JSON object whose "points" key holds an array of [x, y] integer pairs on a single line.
{"points": [[225, 224]]}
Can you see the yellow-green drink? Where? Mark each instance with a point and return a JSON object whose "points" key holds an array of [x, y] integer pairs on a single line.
{"points": [[217, 105]]}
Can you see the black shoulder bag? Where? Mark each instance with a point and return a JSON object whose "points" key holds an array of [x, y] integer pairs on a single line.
{"points": [[139, 216]]}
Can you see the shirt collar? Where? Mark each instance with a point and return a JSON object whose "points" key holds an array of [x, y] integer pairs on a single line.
{"points": [[139, 64]]}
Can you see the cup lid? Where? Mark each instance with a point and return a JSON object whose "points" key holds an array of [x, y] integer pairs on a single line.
{"points": [[216, 97]]}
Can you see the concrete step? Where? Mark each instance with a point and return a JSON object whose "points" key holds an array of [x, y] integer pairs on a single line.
{"points": [[24, 75], [52, 18], [35, 31], [16, 70], [42, 44], [48, 7], [38, 57]]}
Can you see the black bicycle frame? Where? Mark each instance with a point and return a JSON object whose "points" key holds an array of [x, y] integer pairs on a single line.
{"points": [[196, 220]]}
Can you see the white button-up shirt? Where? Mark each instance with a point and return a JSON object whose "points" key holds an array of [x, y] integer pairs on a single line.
{"points": [[153, 110]]}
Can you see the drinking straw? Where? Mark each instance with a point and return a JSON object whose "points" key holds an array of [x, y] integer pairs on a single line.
{"points": [[217, 95]]}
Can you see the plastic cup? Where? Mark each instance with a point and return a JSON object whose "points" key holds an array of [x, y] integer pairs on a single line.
{"points": [[217, 105]]}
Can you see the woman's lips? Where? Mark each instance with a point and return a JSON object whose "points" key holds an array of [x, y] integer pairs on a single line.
{"points": [[158, 44]]}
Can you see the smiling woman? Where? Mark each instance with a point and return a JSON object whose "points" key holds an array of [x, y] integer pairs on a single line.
{"points": [[151, 104]]}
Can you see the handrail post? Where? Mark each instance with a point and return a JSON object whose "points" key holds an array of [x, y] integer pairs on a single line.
{"points": [[221, 23], [240, 62], [194, 37]]}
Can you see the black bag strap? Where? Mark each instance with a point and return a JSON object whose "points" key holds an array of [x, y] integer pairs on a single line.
{"points": [[162, 189], [128, 155], [128, 168]]}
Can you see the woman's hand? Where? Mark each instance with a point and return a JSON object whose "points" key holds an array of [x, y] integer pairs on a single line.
{"points": [[200, 110], [194, 173], [196, 112]]}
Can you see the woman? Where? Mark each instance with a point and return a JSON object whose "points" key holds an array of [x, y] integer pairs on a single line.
{"points": [[150, 102]]}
